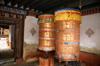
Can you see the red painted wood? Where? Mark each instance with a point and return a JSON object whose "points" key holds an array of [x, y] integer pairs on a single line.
{"points": [[46, 61], [89, 59]]}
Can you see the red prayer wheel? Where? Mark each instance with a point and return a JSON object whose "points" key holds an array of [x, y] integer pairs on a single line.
{"points": [[46, 32], [67, 34]]}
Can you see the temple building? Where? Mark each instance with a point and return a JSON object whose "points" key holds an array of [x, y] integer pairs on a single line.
{"points": [[49, 32]]}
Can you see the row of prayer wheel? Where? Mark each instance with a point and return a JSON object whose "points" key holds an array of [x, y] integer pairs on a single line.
{"points": [[61, 32]]}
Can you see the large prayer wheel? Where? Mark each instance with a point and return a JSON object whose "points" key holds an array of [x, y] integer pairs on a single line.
{"points": [[67, 25], [46, 32]]}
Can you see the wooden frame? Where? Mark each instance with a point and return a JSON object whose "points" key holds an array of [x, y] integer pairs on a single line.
{"points": [[19, 30]]}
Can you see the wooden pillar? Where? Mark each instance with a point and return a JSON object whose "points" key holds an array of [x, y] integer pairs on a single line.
{"points": [[1, 31]]}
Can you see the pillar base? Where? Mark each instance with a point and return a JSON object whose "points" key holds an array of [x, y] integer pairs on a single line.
{"points": [[46, 61]]}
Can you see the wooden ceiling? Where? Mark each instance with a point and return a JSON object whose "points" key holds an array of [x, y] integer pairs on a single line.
{"points": [[50, 6]]}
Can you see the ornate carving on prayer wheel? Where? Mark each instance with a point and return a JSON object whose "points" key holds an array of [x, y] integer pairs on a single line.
{"points": [[67, 25], [46, 33]]}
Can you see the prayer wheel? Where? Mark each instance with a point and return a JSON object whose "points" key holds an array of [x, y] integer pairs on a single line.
{"points": [[67, 25], [46, 32]]}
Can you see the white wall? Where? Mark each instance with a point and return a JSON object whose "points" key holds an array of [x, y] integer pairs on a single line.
{"points": [[92, 22], [31, 22], [31, 37]]}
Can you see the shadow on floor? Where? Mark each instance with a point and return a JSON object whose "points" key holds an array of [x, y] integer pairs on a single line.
{"points": [[6, 53], [36, 63]]}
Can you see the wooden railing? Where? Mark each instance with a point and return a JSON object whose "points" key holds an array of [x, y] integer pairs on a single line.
{"points": [[91, 11]]}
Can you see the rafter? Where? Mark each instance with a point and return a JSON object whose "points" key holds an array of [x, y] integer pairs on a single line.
{"points": [[47, 4], [7, 1], [40, 3], [31, 2], [22, 3], [59, 4], [15, 2]]}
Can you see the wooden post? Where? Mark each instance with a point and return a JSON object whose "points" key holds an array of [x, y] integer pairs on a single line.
{"points": [[1, 31], [46, 61], [59, 62]]}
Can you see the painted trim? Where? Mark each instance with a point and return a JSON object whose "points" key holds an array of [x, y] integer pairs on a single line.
{"points": [[89, 53], [90, 11], [15, 8], [19, 23]]}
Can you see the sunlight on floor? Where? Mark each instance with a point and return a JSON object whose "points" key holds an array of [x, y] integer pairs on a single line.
{"points": [[3, 44], [6, 53]]}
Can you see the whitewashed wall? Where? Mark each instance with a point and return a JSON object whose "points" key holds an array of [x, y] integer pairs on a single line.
{"points": [[91, 44], [31, 37], [31, 22]]}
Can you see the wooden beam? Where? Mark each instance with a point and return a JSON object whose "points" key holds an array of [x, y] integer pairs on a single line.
{"points": [[22, 2], [31, 2], [40, 3], [48, 4], [59, 3], [7, 1], [14, 2], [97, 4], [1, 31]]}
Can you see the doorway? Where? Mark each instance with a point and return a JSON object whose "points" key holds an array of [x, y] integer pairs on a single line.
{"points": [[18, 35], [7, 43]]}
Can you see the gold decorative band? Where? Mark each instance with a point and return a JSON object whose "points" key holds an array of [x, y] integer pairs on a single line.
{"points": [[67, 24], [67, 49], [47, 25], [67, 37], [44, 42], [47, 34], [45, 19], [46, 16]]}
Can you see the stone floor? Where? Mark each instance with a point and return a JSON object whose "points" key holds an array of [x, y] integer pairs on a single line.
{"points": [[6, 54], [36, 63], [6, 58]]}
